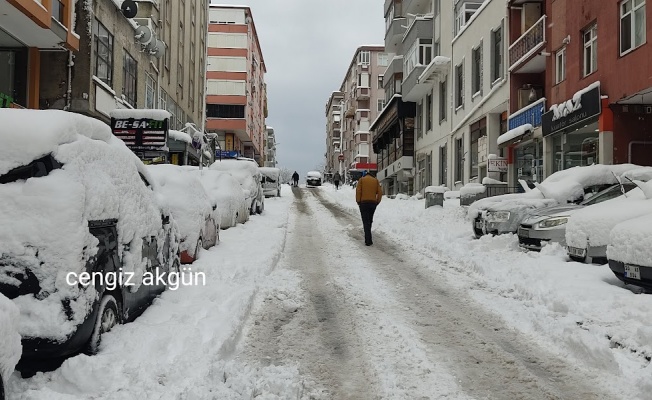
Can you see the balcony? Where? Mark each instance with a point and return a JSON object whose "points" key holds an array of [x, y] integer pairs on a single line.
{"points": [[362, 93], [530, 114], [417, 6], [525, 53], [421, 27], [423, 78], [362, 115], [395, 67], [394, 35]]}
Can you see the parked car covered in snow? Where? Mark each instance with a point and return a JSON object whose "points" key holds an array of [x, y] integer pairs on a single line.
{"points": [[588, 230], [503, 214], [271, 181], [629, 251], [548, 224], [223, 189], [245, 170], [10, 347], [313, 178], [76, 202], [197, 215]]}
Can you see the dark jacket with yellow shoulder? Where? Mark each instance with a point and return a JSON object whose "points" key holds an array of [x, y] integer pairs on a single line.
{"points": [[368, 190]]}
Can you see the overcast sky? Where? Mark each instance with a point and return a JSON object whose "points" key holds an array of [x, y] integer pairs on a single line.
{"points": [[307, 46]]}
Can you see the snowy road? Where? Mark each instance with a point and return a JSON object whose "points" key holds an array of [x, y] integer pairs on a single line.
{"points": [[368, 322]]}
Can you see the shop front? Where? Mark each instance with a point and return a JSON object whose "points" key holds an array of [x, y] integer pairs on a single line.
{"points": [[13, 72], [574, 130]]}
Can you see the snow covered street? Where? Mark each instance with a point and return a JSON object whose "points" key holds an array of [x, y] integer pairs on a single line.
{"points": [[296, 307]]}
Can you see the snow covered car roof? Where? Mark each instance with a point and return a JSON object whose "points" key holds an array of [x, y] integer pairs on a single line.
{"points": [[560, 187], [313, 174], [270, 172], [631, 241], [182, 192], [58, 171], [10, 348], [230, 164], [592, 225], [225, 190]]}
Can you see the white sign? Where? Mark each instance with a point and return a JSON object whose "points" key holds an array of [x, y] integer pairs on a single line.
{"points": [[497, 165]]}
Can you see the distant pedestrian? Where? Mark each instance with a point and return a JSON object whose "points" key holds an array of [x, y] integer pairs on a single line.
{"points": [[336, 180], [295, 179], [368, 194]]}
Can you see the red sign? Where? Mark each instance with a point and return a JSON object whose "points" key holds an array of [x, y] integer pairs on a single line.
{"points": [[369, 166], [340, 157]]}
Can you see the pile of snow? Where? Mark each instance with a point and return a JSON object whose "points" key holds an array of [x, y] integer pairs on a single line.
{"points": [[246, 172], [490, 181], [10, 349], [226, 191], [592, 225], [471, 189], [436, 189], [180, 136], [44, 221], [402, 196], [270, 172], [631, 241], [514, 133], [452, 194], [182, 192]]}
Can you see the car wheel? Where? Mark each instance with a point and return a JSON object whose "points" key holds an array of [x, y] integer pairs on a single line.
{"points": [[200, 245], [107, 318]]}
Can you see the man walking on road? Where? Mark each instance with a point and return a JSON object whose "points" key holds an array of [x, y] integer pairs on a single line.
{"points": [[368, 194], [336, 180], [295, 179]]}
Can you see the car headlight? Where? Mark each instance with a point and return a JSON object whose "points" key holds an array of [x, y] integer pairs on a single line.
{"points": [[497, 216], [551, 222]]}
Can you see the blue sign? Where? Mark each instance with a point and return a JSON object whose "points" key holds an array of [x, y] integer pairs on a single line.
{"points": [[226, 154], [531, 116]]}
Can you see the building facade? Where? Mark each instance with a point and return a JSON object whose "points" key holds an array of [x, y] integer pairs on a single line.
{"points": [[334, 156], [361, 101], [28, 30], [236, 94], [270, 148]]}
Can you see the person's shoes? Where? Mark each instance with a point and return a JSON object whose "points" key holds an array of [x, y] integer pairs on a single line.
{"points": [[368, 243]]}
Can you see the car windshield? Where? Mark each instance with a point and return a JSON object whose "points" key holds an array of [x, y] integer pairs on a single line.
{"points": [[608, 194], [36, 169]]}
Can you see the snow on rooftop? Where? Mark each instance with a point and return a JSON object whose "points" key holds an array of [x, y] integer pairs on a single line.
{"points": [[180, 136], [140, 113], [514, 133], [435, 189]]}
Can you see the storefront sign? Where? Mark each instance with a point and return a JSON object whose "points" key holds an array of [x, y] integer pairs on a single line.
{"points": [[572, 112], [226, 154], [497, 165], [141, 133]]}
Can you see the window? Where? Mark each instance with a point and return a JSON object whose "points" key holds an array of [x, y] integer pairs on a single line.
{"points": [[419, 54], [429, 112], [363, 57], [443, 165], [191, 94], [150, 92], [478, 130], [418, 120], [103, 41], [459, 159], [464, 12], [590, 50], [632, 25], [443, 101], [383, 59], [129, 79], [459, 85], [380, 81], [476, 83], [497, 54], [225, 111], [422, 173], [381, 105], [560, 65]]}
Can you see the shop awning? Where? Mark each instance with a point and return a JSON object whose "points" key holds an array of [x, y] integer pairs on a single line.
{"points": [[515, 135]]}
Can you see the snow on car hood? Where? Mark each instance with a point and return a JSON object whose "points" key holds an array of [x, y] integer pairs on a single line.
{"points": [[185, 196], [44, 221], [225, 190], [592, 225], [244, 171], [631, 242], [10, 349]]}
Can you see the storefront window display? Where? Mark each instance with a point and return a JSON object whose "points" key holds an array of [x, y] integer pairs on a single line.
{"points": [[579, 149], [528, 160]]}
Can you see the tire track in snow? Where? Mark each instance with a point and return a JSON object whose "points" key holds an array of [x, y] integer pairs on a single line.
{"points": [[490, 360]]}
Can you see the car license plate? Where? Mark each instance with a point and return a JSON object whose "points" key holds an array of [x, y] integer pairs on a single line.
{"points": [[576, 251], [523, 233], [632, 272]]}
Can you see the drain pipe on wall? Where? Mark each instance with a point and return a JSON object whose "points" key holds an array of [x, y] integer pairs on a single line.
{"points": [[629, 149], [71, 63]]}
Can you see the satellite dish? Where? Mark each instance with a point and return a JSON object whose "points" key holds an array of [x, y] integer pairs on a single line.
{"points": [[143, 34], [157, 48], [129, 8]]}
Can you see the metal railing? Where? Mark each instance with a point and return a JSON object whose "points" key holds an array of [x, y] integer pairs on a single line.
{"points": [[528, 41]]}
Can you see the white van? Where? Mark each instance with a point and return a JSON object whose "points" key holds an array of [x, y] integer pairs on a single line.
{"points": [[271, 181]]}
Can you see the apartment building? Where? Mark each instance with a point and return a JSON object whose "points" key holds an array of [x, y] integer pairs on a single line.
{"points": [[582, 98], [153, 59], [480, 90], [236, 94], [270, 148], [28, 29], [362, 99], [334, 156]]}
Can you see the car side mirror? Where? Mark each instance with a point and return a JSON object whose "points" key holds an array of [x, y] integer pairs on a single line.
{"points": [[165, 219]]}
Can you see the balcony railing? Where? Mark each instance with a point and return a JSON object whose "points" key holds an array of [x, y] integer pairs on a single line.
{"points": [[528, 115], [530, 41]]}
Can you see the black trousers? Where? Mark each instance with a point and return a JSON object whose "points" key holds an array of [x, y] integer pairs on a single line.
{"points": [[367, 211], [337, 184]]}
